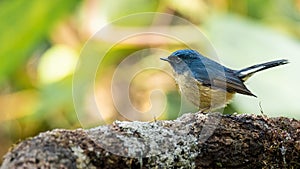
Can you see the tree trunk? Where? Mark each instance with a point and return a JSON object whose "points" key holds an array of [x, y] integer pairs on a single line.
{"points": [[191, 141]]}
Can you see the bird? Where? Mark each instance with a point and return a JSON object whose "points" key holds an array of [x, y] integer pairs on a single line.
{"points": [[208, 84]]}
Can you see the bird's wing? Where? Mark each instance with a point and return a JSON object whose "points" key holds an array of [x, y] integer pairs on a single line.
{"points": [[217, 76], [232, 85]]}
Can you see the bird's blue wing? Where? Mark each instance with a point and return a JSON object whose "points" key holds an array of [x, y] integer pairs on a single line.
{"points": [[217, 76]]}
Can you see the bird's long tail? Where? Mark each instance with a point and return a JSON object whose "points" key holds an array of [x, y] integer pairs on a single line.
{"points": [[244, 74]]}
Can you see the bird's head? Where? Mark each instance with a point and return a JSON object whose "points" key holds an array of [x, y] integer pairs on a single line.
{"points": [[181, 60]]}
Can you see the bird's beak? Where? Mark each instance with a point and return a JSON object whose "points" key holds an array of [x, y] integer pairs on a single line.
{"points": [[165, 59]]}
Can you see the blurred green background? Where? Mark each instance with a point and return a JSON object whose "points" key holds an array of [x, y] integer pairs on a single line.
{"points": [[40, 43]]}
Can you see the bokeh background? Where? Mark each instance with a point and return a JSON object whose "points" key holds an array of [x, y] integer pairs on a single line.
{"points": [[41, 41]]}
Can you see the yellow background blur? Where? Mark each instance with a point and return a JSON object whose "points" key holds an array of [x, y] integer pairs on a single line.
{"points": [[40, 44]]}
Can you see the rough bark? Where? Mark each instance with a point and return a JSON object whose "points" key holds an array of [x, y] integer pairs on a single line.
{"points": [[191, 141]]}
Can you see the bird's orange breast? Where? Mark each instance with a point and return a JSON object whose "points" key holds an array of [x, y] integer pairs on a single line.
{"points": [[204, 97]]}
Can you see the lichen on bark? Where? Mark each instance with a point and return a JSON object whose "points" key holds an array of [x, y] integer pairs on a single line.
{"points": [[191, 141]]}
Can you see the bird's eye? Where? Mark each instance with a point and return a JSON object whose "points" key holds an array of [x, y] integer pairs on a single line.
{"points": [[177, 60]]}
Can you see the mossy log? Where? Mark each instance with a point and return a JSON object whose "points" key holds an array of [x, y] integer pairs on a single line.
{"points": [[191, 141]]}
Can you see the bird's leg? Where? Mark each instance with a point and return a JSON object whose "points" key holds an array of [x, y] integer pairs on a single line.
{"points": [[204, 110]]}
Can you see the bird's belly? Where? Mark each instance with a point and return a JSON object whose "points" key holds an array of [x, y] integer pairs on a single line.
{"points": [[203, 97]]}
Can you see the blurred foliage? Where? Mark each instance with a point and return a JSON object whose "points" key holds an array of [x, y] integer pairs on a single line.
{"points": [[41, 43], [24, 25]]}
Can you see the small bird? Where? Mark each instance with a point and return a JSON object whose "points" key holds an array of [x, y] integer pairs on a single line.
{"points": [[208, 84]]}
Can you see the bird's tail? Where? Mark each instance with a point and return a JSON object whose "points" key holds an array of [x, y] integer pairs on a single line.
{"points": [[244, 74]]}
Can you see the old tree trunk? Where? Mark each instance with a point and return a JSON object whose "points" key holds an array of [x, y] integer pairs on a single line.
{"points": [[191, 141]]}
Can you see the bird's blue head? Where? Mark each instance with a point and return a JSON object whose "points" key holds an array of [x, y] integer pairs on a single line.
{"points": [[183, 60], [186, 55]]}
